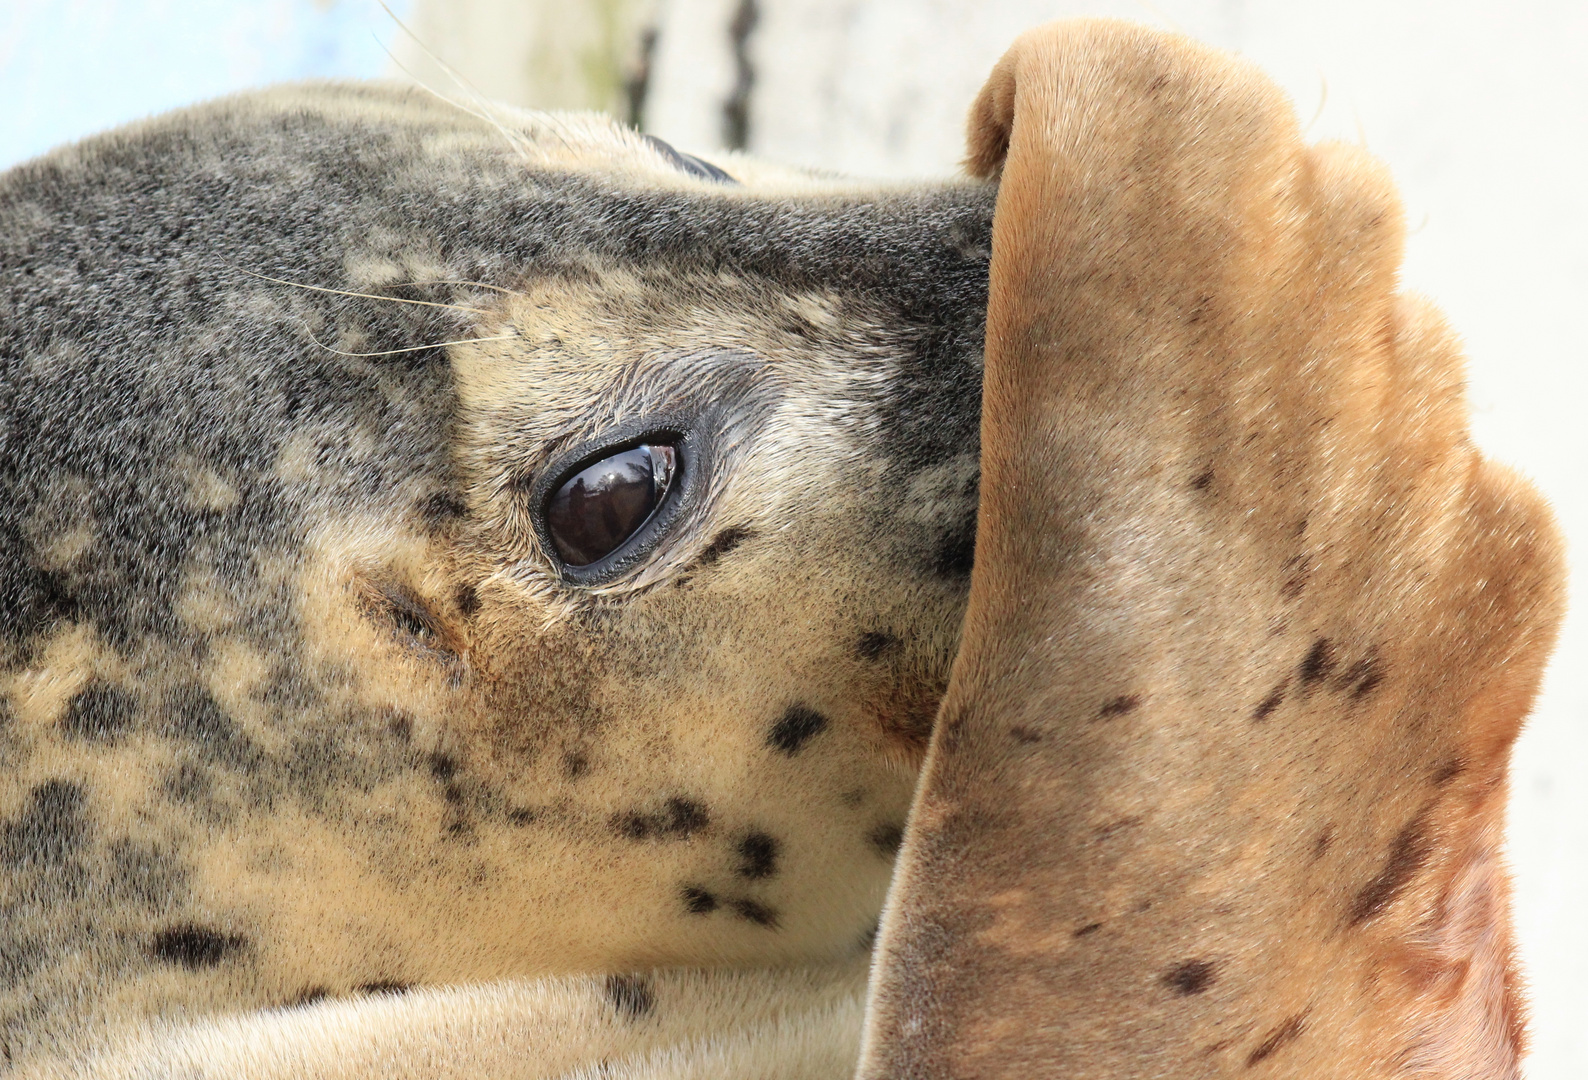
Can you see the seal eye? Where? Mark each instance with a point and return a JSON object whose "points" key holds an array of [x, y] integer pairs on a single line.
{"points": [[603, 504]]}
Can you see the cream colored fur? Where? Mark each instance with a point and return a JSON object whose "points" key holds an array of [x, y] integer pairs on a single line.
{"points": [[1218, 783]]}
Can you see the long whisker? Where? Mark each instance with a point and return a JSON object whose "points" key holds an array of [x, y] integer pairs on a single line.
{"points": [[473, 284], [371, 296], [462, 84], [411, 348]]}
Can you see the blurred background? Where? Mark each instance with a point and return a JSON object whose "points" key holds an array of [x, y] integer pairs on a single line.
{"points": [[1480, 109]]}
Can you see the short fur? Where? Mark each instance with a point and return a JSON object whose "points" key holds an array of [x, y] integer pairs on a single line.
{"points": [[314, 764], [1220, 776], [298, 710]]}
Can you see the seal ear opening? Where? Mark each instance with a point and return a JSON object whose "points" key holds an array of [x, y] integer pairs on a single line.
{"points": [[991, 119]]}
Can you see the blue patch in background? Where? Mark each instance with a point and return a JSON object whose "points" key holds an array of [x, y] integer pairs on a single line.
{"points": [[69, 68]]}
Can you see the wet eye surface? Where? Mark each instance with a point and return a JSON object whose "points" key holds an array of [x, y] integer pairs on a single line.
{"points": [[602, 505]]}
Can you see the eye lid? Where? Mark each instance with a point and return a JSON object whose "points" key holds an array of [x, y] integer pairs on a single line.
{"points": [[691, 444]]}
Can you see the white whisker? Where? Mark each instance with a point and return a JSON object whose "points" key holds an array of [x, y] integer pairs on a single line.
{"points": [[411, 348], [371, 296]]}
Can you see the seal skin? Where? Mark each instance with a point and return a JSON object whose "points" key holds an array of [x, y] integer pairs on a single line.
{"points": [[298, 706], [1219, 780]]}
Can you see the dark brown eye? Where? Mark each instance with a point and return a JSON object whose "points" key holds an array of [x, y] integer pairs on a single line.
{"points": [[603, 504]]}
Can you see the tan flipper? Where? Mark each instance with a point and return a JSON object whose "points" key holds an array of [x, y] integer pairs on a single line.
{"points": [[1219, 784]]}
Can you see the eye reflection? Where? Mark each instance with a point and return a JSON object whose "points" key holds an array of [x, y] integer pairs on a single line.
{"points": [[602, 505]]}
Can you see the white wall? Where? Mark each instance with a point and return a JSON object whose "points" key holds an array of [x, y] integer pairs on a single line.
{"points": [[1480, 108]]}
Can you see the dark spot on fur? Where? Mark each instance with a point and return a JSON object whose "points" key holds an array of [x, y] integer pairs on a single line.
{"points": [[409, 616], [678, 819], [575, 764], [1318, 662], [1105, 832], [1408, 851], [1275, 698], [798, 726], [442, 766], [188, 783], [307, 996], [440, 509], [758, 856], [1088, 930], [468, 600], [1298, 570], [1362, 677], [1191, 977], [383, 986], [144, 874], [522, 815], [194, 715], [956, 553], [49, 831], [1025, 735], [99, 712], [723, 543], [874, 644], [1448, 772], [1204, 479], [868, 940], [452, 793], [887, 837], [756, 912], [1320, 846], [631, 995], [195, 947], [1288, 1032], [698, 901], [1119, 706]]}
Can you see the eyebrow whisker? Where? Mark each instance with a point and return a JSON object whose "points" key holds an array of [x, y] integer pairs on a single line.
{"points": [[371, 296], [410, 348]]}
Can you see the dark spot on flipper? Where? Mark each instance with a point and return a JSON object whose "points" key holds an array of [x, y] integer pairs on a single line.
{"points": [[468, 600], [440, 509], [99, 712], [383, 986], [1191, 977], [1119, 706], [873, 644], [1275, 698], [631, 995], [1298, 571], [1321, 845], [1448, 772], [51, 829], [886, 838], [1408, 851], [723, 543], [756, 912], [956, 553], [698, 901], [757, 856], [678, 819], [1362, 677], [798, 726], [1204, 480], [195, 947], [1287, 1032], [1318, 662], [1088, 930]]}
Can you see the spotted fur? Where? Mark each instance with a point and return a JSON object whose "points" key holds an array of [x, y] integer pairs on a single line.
{"points": [[299, 710]]}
